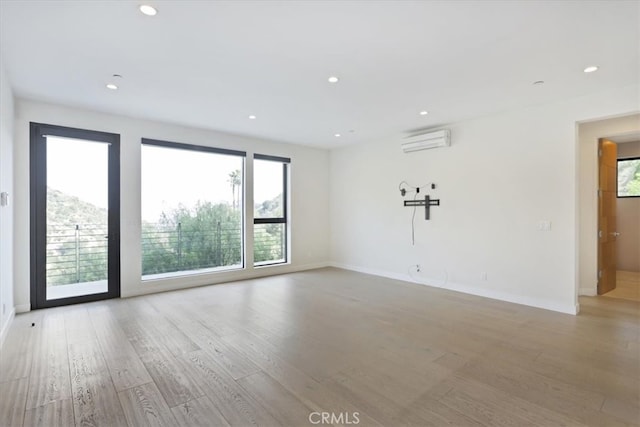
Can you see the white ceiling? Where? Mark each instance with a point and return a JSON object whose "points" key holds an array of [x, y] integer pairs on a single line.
{"points": [[211, 64]]}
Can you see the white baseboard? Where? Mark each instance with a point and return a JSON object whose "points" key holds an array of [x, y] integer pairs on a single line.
{"points": [[23, 308], [587, 292], [487, 293], [7, 325]]}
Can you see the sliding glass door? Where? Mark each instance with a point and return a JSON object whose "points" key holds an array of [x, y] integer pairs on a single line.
{"points": [[75, 250]]}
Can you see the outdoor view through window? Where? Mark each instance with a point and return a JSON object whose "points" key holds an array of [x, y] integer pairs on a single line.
{"points": [[270, 216], [191, 211], [629, 177], [76, 217]]}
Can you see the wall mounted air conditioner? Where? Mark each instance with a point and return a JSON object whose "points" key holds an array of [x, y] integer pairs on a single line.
{"points": [[441, 138]]}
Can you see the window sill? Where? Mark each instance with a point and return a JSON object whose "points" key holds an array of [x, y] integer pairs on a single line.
{"points": [[190, 273]]}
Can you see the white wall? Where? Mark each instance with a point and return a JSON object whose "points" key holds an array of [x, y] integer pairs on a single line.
{"points": [[588, 134], [6, 212], [309, 194], [501, 175]]}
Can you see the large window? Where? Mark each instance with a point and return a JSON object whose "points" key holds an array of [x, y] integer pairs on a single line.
{"points": [[270, 175], [192, 204], [629, 177]]}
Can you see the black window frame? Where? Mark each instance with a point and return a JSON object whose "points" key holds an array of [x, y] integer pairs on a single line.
{"points": [[623, 159], [214, 150], [286, 162], [38, 133]]}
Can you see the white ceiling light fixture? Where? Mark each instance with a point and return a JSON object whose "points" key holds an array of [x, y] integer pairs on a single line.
{"points": [[112, 86], [333, 79], [252, 117], [424, 113], [337, 135], [148, 10], [591, 69]]}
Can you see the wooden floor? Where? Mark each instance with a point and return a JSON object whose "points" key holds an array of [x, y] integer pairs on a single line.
{"points": [[273, 351], [627, 286]]}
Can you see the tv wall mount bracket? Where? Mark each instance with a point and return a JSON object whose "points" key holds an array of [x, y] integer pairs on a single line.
{"points": [[427, 203]]}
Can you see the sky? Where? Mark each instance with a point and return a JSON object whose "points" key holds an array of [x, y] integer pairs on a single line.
{"points": [[169, 176], [79, 168]]}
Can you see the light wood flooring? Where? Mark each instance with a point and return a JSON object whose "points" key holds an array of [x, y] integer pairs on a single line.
{"points": [[271, 351], [627, 286]]}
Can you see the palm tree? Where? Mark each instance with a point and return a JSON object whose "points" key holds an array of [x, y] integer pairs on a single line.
{"points": [[234, 180]]}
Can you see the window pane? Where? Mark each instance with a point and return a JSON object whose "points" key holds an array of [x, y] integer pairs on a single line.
{"points": [[268, 189], [629, 178], [269, 243], [76, 217], [191, 211]]}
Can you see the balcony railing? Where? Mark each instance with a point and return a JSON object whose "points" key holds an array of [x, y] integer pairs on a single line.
{"points": [[167, 248], [268, 243], [77, 253]]}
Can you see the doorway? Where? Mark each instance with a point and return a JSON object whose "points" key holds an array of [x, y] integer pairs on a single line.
{"points": [[621, 130], [75, 215], [627, 219]]}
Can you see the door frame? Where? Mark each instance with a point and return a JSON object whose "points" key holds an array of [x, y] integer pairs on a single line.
{"points": [[38, 193]]}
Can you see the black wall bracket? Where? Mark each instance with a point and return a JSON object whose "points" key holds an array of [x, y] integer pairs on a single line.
{"points": [[427, 203]]}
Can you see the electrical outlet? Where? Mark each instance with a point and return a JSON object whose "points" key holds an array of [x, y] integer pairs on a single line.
{"points": [[483, 275], [544, 225], [418, 268]]}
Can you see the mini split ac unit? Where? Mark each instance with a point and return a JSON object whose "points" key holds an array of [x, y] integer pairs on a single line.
{"points": [[441, 138]]}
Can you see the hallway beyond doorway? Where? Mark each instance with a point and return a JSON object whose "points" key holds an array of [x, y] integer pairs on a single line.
{"points": [[627, 286]]}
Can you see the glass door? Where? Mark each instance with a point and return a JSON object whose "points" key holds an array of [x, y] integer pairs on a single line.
{"points": [[75, 215]]}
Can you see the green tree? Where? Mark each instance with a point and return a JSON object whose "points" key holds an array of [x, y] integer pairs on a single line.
{"points": [[629, 177], [207, 236]]}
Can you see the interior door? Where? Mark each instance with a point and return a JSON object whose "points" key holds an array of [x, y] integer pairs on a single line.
{"points": [[75, 215], [607, 161]]}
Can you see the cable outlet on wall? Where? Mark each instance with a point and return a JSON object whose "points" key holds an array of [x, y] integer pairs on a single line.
{"points": [[483, 276]]}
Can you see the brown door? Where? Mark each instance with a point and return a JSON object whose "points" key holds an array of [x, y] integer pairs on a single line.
{"points": [[607, 161]]}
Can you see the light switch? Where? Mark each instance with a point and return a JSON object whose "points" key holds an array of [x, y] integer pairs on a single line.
{"points": [[4, 199]]}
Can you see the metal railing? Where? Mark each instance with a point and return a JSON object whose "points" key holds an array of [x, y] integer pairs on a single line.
{"points": [[168, 248], [76, 253], [268, 243]]}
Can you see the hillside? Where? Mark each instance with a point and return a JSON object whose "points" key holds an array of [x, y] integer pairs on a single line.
{"points": [[66, 209]]}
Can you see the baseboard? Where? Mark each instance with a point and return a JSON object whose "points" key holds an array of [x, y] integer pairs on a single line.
{"points": [[587, 292], [466, 289], [24, 308], [7, 325]]}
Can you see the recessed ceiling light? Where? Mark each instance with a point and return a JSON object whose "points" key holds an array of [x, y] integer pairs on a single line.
{"points": [[538, 82], [252, 117], [337, 135], [591, 69], [424, 113], [112, 86], [333, 79], [148, 10]]}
